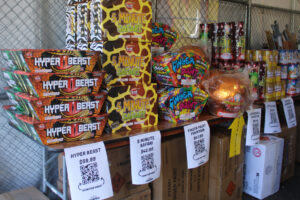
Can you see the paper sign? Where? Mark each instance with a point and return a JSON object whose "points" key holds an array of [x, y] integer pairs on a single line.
{"points": [[272, 124], [88, 172], [145, 154], [236, 136], [197, 141], [253, 127], [289, 111]]}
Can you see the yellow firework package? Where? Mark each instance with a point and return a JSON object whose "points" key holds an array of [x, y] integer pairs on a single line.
{"points": [[126, 63], [129, 19], [131, 107]]}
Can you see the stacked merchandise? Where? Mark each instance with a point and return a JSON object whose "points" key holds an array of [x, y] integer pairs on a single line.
{"points": [[55, 94], [228, 44], [289, 61]]}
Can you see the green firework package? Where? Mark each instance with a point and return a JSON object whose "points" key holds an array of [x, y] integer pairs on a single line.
{"points": [[51, 61], [66, 130], [55, 84], [131, 107], [126, 63], [44, 109]]}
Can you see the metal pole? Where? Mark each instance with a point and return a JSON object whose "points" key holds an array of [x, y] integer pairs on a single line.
{"points": [[293, 16], [65, 181], [248, 17], [44, 157]]}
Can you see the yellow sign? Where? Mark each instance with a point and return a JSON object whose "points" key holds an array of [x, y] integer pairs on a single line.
{"points": [[236, 136]]}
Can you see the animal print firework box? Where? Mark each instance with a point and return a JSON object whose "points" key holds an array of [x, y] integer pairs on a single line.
{"points": [[67, 130], [126, 63], [52, 108], [129, 19], [51, 61], [131, 107], [181, 104]]}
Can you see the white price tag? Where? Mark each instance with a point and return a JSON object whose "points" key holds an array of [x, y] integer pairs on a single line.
{"points": [[197, 142], [253, 127], [88, 172], [145, 154], [289, 111], [272, 124]]}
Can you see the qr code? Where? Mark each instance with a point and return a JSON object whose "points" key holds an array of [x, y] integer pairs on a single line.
{"points": [[147, 162], [199, 146], [273, 117], [255, 127], [89, 173]]}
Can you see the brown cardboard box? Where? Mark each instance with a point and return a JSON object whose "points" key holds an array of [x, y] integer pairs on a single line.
{"points": [[176, 182], [30, 193], [120, 171], [144, 195], [225, 174], [289, 152]]}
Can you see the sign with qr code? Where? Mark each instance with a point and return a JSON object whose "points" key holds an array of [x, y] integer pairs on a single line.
{"points": [[272, 124], [253, 127], [145, 154], [289, 112], [88, 172], [197, 142]]}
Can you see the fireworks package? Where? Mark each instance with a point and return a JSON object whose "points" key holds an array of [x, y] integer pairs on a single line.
{"points": [[131, 107], [51, 61], [52, 108], [71, 27], [126, 62], [181, 104], [83, 26], [185, 67], [55, 84]]}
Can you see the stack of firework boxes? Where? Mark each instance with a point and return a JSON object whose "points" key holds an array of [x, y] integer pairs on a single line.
{"points": [[55, 94], [122, 32]]}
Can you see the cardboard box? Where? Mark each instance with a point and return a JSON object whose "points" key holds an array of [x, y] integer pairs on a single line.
{"points": [[297, 107], [144, 195], [289, 152], [120, 171], [30, 193], [263, 167], [176, 182], [225, 174]]}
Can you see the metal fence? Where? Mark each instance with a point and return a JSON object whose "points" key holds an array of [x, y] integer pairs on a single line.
{"points": [[41, 24]]}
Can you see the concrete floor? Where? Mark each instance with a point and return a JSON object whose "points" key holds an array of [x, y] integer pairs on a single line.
{"points": [[289, 190]]}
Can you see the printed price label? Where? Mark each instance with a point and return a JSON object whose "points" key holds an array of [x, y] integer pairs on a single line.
{"points": [[197, 142], [289, 111], [145, 154], [272, 124], [253, 127], [88, 172]]}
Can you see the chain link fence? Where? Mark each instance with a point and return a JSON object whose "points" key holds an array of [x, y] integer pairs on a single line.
{"points": [[41, 24]]}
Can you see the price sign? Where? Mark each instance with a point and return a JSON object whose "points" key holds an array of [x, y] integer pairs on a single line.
{"points": [[88, 172], [272, 124], [145, 154], [253, 127], [289, 112], [197, 142]]}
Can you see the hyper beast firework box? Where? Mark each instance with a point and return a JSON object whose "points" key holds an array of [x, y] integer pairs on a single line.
{"points": [[181, 104], [51, 61], [52, 108], [126, 62], [67, 130], [131, 107], [54, 84], [129, 19]]}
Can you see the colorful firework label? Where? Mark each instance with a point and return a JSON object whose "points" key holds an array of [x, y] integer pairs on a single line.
{"points": [[163, 36]]}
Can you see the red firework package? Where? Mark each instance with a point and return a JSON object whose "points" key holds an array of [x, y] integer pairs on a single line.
{"points": [[229, 93], [226, 38], [183, 68], [163, 36], [57, 131], [52, 61], [53, 108], [57, 84]]}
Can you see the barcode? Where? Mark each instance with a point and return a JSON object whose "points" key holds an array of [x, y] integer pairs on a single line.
{"points": [[199, 146], [89, 173], [255, 127], [291, 113], [273, 117], [147, 161]]}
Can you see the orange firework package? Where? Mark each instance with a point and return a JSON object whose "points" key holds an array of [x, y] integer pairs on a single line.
{"points": [[131, 107], [68, 130], [126, 63], [52, 108], [51, 61], [56, 84]]}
